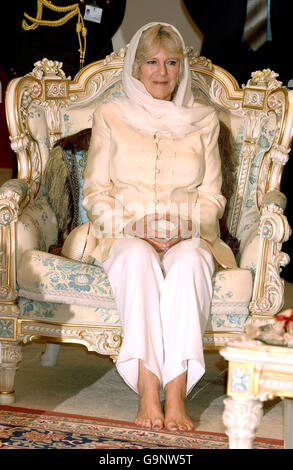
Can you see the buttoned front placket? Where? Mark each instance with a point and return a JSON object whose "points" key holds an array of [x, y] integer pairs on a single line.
{"points": [[157, 169]]}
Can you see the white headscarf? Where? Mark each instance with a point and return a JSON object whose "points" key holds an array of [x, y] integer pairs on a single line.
{"points": [[180, 116]]}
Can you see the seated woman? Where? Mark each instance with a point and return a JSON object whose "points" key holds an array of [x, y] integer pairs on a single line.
{"points": [[153, 165]]}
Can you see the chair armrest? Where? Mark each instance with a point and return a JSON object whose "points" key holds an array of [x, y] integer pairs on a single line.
{"points": [[273, 223], [273, 231], [275, 198], [14, 195], [24, 225], [37, 227]]}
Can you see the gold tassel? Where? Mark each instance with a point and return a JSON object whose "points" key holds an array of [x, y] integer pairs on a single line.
{"points": [[72, 11]]}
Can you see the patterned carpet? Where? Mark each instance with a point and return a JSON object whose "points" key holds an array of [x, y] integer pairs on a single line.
{"points": [[34, 429]]}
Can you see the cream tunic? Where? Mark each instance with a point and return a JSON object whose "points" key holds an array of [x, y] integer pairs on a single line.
{"points": [[131, 173]]}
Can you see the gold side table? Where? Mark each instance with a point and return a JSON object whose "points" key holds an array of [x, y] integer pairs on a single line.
{"points": [[257, 372]]}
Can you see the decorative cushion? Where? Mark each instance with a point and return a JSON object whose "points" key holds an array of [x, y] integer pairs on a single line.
{"points": [[46, 277], [56, 184], [74, 154]]}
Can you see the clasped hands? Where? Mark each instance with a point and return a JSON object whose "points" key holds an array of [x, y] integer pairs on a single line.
{"points": [[157, 230]]}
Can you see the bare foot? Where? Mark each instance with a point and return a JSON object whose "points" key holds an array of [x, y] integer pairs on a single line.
{"points": [[150, 414], [176, 417]]}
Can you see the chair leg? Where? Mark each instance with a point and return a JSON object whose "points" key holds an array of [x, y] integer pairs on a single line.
{"points": [[49, 357], [10, 356]]}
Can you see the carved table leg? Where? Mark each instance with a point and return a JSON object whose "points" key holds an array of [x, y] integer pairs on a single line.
{"points": [[241, 418], [10, 356], [288, 423]]}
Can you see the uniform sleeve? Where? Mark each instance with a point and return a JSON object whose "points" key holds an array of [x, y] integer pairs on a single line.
{"points": [[211, 201], [105, 211]]}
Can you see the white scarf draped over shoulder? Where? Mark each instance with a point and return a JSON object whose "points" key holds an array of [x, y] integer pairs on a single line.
{"points": [[179, 117]]}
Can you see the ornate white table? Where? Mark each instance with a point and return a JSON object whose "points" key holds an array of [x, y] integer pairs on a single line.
{"points": [[257, 372]]}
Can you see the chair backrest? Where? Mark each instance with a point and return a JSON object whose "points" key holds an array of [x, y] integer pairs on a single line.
{"points": [[256, 122]]}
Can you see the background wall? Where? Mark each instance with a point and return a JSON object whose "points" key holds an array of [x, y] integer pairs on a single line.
{"points": [[140, 12]]}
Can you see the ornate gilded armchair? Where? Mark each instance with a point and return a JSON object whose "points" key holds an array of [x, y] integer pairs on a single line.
{"points": [[46, 295]]}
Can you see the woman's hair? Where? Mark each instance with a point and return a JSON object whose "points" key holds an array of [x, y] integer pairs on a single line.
{"points": [[150, 42]]}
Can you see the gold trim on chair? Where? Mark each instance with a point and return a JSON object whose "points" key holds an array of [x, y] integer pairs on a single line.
{"points": [[56, 89], [254, 98], [15, 328], [104, 339]]}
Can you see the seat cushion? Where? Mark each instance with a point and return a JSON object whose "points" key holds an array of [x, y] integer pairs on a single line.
{"points": [[52, 280]]}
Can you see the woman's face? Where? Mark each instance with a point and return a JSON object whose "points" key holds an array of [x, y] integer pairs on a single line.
{"points": [[159, 74]]}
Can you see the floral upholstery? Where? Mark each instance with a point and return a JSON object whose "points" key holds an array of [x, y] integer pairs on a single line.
{"points": [[250, 215], [43, 276], [37, 227]]}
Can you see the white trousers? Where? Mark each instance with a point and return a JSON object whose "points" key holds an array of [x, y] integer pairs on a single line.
{"points": [[164, 304]]}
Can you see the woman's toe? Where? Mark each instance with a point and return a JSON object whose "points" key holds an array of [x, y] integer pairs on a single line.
{"points": [[147, 423], [171, 426], [158, 424]]}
